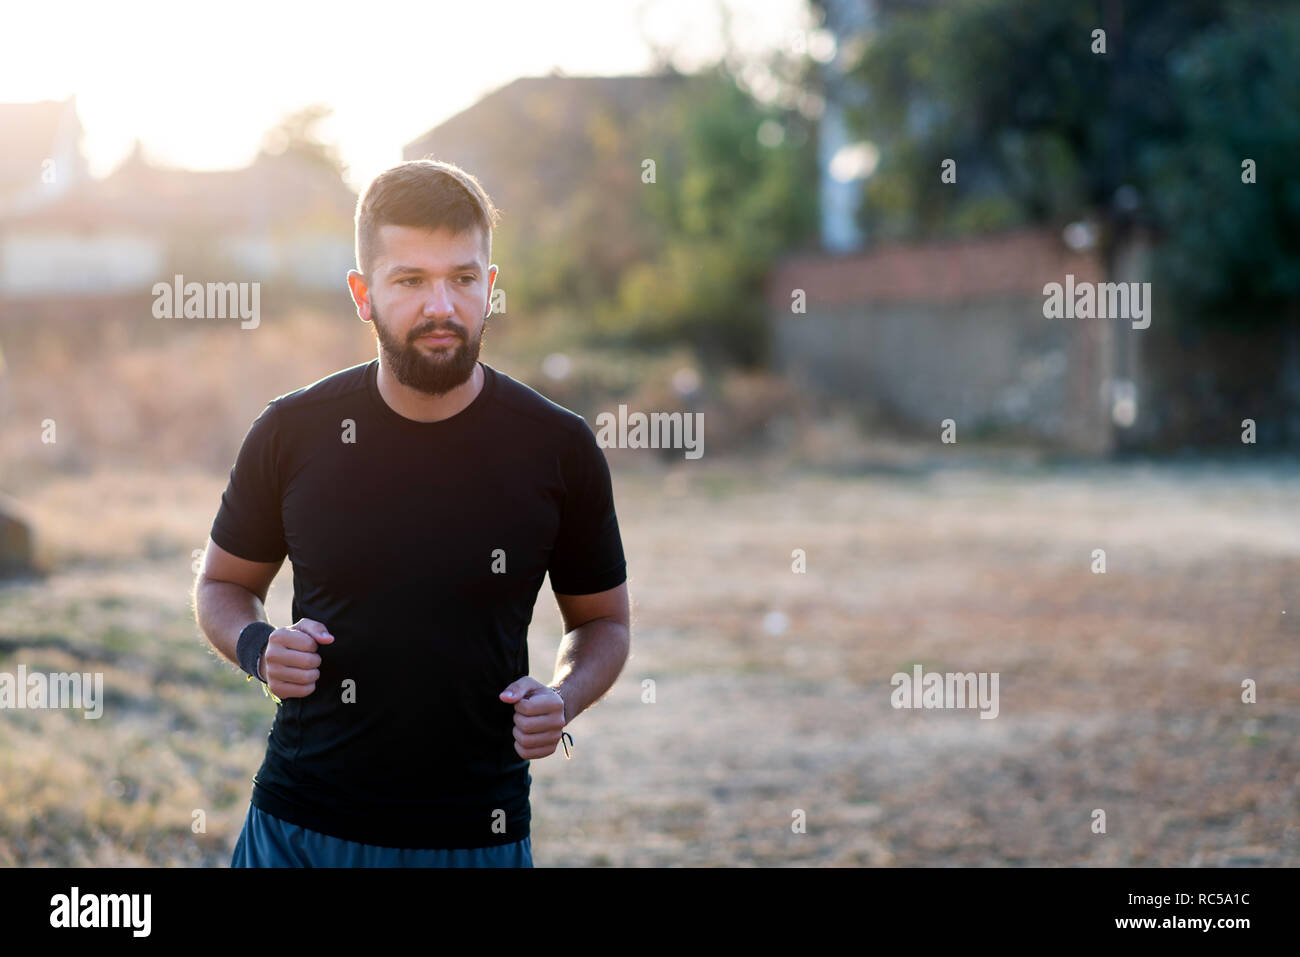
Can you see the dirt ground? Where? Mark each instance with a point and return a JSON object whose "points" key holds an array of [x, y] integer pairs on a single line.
{"points": [[770, 703]]}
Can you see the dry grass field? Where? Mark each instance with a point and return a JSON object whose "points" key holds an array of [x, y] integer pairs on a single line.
{"points": [[1119, 691]]}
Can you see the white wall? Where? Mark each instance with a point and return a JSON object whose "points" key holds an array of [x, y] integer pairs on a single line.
{"points": [[51, 264], [320, 262]]}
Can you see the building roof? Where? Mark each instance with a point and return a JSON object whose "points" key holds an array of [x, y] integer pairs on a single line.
{"points": [[535, 135], [271, 192]]}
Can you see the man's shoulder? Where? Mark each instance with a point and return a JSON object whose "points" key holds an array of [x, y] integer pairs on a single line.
{"points": [[529, 405], [337, 385]]}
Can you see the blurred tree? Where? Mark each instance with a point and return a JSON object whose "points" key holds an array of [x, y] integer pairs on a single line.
{"points": [[585, 225], [1231, 248], [739, 188], [1043, 129], [296, 134], [619, 261]]}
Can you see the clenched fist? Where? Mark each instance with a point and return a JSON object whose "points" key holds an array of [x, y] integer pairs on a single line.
{"points": [[290, 665], [539, 717]]}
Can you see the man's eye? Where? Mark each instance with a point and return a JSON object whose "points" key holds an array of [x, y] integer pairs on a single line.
{"points": [[414, 279], [468, 278]]}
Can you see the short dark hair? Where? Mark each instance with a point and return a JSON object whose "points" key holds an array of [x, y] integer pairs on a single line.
{"points": [[424, 193]]}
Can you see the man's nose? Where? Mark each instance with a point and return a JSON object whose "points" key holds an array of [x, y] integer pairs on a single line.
{"points": [[438, 302]]}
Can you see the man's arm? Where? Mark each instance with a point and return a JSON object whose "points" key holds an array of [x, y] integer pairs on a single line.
{"points": [[594, 648], [229, 593]]}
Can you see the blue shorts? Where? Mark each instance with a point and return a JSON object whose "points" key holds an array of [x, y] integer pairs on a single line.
{"points": [[267, 841]]}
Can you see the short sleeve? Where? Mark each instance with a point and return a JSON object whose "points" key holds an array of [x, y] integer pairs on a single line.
{"points": [[588, 554], [248, 523]]}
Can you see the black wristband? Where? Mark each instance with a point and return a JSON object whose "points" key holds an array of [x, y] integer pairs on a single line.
{"points": [[252, 642]]}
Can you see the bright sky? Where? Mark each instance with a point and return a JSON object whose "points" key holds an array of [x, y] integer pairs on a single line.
{"points": [[200, 84]]}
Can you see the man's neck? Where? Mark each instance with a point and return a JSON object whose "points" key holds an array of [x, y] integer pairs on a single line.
{"points": [[422, 407]]}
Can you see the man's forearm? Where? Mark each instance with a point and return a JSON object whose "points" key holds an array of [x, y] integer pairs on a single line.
{"points": [[589, 661], [222, 609]]}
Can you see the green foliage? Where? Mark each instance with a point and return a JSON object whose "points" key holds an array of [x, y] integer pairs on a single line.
{"points": [[678, 261], [584, 226], [1233, 248], [697, 291], [1044, 130], [725, 205]]}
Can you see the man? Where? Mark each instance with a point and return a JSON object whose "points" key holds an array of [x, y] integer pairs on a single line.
{"points": [[421, 498]]}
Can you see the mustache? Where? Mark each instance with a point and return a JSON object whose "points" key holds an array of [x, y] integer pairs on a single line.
{"points": [[433, 330]]}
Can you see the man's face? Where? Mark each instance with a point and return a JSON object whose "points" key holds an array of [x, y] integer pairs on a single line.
{"points": [[430, 283]]}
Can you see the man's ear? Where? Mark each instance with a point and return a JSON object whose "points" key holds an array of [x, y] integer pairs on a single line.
{"points": [[360, 293]]}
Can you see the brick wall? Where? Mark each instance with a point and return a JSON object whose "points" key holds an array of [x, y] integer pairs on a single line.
{"points": [[953, 330]]}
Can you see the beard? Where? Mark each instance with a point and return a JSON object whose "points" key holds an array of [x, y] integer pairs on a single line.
{"points": [[436, 372]]}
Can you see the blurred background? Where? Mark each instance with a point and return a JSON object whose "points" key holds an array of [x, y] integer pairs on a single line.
{"points": [[838, 255]]}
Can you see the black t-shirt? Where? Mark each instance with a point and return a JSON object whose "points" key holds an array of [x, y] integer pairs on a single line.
{"points": [[421, 546]]}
